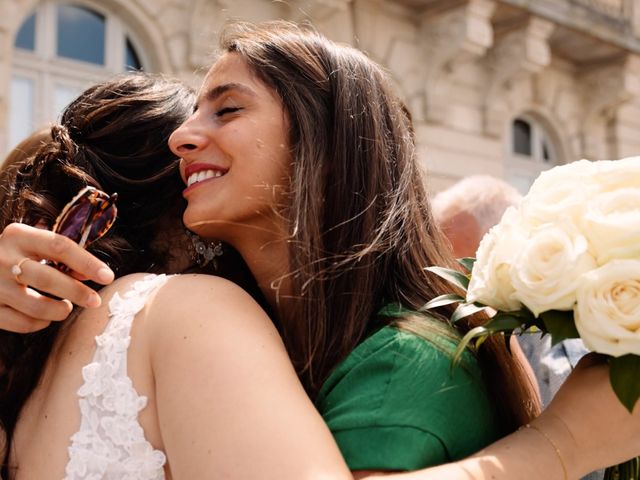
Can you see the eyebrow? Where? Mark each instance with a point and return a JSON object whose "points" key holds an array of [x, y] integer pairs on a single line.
{"points": [[214, 93]]}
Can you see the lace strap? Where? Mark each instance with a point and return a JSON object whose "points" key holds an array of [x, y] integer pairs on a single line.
{"points": [[113, 342], [110, 443]]}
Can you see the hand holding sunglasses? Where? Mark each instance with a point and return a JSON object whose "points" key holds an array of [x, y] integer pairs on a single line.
{"points": [[86, 218]]}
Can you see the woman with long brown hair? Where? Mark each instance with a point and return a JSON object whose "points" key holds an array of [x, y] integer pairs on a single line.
{"points": [[318, 187], [298, 155]]}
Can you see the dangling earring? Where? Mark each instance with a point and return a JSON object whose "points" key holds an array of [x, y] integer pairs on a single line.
{"points": [[204, 252]]}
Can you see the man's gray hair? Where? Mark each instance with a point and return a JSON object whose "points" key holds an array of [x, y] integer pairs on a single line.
{"points": [[482, 196]]}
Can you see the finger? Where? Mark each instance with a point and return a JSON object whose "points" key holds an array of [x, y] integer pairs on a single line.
{"points": [[78, 276], [81, 262], [30, 303], [14, 321], [36, 243], [45, 278]]}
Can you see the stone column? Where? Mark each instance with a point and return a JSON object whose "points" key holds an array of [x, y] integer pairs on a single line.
{"points": [[449, 38], [519, 53], [605, 90]]}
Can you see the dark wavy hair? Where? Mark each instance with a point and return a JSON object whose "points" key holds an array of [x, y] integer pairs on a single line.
{"points": [[361, 228], [112, 137]]}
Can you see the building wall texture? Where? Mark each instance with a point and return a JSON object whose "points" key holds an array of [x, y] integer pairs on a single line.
{"points": [[466, 68]]}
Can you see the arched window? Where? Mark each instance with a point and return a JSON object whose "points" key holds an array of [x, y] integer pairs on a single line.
{"points": [[59, 50], [531, 151]]}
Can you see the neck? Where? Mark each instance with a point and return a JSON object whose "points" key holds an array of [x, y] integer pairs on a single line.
{"points": [[267, 256]]}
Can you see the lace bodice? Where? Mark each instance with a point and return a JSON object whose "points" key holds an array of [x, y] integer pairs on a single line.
{"points": [[111, 444]]}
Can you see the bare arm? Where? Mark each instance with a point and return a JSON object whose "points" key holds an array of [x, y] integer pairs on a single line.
{"points": [[584, 428], [23, 309], [231, 405]]}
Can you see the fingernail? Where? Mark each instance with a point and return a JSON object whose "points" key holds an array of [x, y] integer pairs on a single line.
{"points": [[105, 275], [94, 300]]}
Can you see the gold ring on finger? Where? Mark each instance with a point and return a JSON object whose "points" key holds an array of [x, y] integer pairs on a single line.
{"points": [[16, 270]]}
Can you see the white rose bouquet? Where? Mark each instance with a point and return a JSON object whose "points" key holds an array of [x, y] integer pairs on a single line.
{"points": [[566, 262]]}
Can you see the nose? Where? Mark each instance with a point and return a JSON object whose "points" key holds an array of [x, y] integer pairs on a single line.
{"points": [[188, 138]]}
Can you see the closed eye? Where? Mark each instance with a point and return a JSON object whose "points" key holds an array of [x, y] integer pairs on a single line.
{"points": [[227, 110]]}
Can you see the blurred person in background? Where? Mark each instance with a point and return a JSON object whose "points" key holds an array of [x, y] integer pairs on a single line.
{"points": [[469, 208]]}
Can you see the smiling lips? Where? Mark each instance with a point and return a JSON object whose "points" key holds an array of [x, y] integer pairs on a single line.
{"points": [[203, 175], [199, 173]]}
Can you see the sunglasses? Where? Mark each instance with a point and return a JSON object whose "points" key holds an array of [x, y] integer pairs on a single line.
{"points": [[87, 217]]}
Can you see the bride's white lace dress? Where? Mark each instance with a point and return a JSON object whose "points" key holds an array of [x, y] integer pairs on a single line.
{"points": [[111, 444]]}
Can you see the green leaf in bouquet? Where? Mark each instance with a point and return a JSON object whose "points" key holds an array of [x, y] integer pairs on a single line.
{"points": [[624, 374], [526, 315], [480, 341], [503, 322], [531, 324], [467, 263], [560, 325], [442, 300], [472, 334], [464, 310], [451, 276]]}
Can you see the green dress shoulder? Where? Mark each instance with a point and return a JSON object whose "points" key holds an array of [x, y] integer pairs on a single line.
{"points": [[395, 403]]}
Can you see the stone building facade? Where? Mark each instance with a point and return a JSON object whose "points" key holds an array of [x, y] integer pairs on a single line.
{"points": [[503, 87]]}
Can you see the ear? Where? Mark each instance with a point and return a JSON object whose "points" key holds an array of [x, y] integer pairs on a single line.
{"points": [[463, 232]]}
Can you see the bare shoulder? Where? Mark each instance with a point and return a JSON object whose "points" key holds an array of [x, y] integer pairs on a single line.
{"points": [[195, 297], [201, 312], [204, 288], [120, 285], [185, 294]]}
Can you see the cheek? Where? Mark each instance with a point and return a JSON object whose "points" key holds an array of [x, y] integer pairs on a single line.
{"points": [[273, 157]]}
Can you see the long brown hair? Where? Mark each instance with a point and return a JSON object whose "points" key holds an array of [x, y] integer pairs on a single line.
{"points": [[361, 229], [113, 137]]}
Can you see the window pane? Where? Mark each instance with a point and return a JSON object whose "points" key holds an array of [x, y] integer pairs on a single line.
{"points": [[81, 34], [132, 61], [522, 137], [21, 110], [63, 95], [26, 37]]}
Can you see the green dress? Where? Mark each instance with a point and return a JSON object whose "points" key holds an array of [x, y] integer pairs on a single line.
{"points": [[395, 403]]}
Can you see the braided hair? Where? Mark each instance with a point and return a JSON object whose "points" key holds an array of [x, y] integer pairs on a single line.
{"points": [[114, 138]]}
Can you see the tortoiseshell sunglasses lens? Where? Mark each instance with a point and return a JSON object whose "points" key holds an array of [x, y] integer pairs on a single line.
{"points": [[87, 217]]}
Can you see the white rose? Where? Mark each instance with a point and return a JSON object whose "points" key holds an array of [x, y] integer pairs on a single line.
{"points": [[617, 174], [560, 192], [612, 224], [545, 271], [490, 283], [607, 314]]}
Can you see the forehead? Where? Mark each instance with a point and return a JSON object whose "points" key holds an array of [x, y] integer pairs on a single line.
{"points": [[231, 73], [231, 68]]}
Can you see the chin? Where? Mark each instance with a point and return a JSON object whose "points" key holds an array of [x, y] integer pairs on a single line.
{"points": [[207, 229]]}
